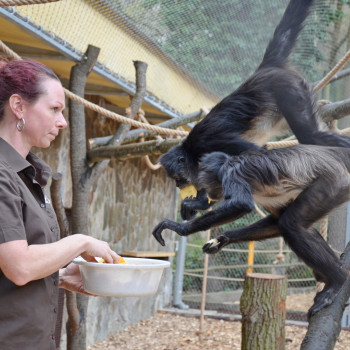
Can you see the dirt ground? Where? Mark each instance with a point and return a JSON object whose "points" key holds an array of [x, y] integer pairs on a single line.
{"points": [[168, 331]]}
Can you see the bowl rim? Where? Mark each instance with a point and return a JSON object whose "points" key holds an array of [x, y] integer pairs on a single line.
{"points": [[152, 263]]}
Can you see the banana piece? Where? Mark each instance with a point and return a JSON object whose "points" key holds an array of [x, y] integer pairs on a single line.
{"points": [[188, 192]]}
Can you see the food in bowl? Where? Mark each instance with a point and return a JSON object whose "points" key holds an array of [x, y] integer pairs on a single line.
{"points": [[121, 260]]}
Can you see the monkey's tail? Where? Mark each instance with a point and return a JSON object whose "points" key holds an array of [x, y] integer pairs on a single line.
{"points": [[286, 33]]}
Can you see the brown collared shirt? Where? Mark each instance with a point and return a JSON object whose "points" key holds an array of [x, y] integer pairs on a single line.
{"points": [[27, 313]]}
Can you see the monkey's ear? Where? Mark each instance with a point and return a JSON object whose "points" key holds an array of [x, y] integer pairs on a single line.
{"points": [[181, 159]]}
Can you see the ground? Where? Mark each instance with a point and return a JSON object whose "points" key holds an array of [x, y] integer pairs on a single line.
{"points": [[168, 331]]}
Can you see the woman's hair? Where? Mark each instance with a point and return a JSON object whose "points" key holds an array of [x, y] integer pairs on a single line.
{"points": [[22, 77]]}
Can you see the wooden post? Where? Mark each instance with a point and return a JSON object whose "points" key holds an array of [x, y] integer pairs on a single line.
{"points": [[263, 308]]}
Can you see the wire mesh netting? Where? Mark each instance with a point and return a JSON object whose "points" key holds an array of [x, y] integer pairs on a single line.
{"points": [[219, 43]]}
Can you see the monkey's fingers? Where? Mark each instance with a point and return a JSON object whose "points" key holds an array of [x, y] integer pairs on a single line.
{"points": [[157, 233], [211, 247], [215, 244], [187, 213]]}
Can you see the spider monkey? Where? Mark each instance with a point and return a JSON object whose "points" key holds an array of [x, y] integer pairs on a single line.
{"points": [[273, 99], [298, 185]]}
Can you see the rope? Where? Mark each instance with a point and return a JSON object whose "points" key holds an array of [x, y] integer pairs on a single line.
{"points": [[121, 119], [141, 116], [23, 2], [333, 72], [287, 143]]}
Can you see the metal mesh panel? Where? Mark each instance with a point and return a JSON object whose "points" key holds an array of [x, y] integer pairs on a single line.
{"points": [[219, 43]]}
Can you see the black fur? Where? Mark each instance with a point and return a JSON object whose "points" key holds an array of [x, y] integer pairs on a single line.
{"points": [[297, 185], [248, 117]]}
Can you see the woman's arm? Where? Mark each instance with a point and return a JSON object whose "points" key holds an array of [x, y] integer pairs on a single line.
{"points": [[22, 263]]}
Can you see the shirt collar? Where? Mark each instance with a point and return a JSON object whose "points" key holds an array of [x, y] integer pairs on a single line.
{"points": [[32, 166]]}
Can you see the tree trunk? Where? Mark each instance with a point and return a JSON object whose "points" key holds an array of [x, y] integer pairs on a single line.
{"points": [[76, 336], [325, 325], [263, 308]]}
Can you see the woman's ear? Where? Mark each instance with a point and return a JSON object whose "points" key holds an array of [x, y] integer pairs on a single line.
{"points": [[17, 105]]}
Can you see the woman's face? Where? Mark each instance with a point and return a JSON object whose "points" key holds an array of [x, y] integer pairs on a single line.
{"points": [[44, 118]]}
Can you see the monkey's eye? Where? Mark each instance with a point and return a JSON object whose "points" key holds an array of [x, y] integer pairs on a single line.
{"points": [[181, 159]]}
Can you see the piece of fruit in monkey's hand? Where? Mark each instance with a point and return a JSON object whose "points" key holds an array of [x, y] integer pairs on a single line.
{"points": [[121, 261], [188, 192]]}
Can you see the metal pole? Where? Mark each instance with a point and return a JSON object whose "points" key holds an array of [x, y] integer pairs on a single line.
{"points": [[204, 290], [179, 274]]}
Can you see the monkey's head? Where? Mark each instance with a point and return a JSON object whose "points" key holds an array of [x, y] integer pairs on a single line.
{"points": [[178, 166], [210, 173]]}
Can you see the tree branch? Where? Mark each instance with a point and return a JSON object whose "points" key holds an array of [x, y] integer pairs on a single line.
{"points": [[136, 134], [76, 324], [334, 111], [132, 150], [80, 170], [57, 204], [136, 103], [324, 327]]}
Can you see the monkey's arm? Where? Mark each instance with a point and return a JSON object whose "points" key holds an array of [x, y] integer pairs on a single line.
{"points": [[189, 206], [228, 211]]}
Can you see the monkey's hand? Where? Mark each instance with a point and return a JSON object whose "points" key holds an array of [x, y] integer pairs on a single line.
{"points": [[189, 206], [168, 224], [188, 209], [215, 244]]}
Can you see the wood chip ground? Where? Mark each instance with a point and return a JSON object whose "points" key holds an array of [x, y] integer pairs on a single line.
{"points": [[167, 331]]}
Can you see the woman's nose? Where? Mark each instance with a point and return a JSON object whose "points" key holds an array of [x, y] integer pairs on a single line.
{"points": [[61, 123]]}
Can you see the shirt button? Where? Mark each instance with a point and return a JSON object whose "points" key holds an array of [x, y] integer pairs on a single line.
{"points": [[42, 205]]}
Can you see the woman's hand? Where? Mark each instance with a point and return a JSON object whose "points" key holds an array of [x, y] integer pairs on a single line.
{"points": [[70, 279], [95, 247]]}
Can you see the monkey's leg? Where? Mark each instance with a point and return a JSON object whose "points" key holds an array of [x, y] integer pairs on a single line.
{"points": [[297, 107], [260, 230], [311, 205]]}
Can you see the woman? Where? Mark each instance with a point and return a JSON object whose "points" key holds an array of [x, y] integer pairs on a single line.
{"points": [[31, 254]]}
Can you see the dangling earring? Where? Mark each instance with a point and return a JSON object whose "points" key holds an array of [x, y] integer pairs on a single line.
{"points": [[20, 124]]}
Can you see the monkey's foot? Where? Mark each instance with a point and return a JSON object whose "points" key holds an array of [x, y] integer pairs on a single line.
{"points": [[323, 299], [215, 245]]}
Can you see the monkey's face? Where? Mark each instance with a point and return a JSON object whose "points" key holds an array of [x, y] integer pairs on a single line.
{"points": [[176, 165]]}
